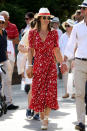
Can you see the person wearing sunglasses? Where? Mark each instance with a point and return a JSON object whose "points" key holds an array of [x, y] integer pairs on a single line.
{"points": [[78, 16], [22, 64], [12, 40], [79, 35], [5, 79], [67, 26], [28, 18], [3, 40], [44, 41]]}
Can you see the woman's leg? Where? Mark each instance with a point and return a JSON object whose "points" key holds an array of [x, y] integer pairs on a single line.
{"points": [[29, 95], [33, 113], [42, 115], [47, 111], [45, 117], [28, 111]]}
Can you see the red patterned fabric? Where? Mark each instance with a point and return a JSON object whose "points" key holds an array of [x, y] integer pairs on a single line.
{"points": [[44, 86], [12, 31]]}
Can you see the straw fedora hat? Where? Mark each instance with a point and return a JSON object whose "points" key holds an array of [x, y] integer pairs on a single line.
{"points": [[43, 12], [69, 22]]}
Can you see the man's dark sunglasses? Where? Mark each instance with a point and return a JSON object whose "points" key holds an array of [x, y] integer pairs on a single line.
{"points": [[83, 8], [1, 22], [45, 17]]}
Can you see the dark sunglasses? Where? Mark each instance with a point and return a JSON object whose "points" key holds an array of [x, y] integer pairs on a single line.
{"points": [[1, 22], [78, 13], [67, 25], [45, 17], [83, 8], [26, 18]]}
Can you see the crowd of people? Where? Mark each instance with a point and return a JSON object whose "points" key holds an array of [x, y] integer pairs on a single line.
{"points": [[43, 50]]}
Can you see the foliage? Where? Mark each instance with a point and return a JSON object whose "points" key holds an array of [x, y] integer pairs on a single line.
{"points": [[16, 13], [17, 9]]}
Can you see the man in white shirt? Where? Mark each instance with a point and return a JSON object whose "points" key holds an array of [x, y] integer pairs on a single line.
{"points": [[79, 35]]}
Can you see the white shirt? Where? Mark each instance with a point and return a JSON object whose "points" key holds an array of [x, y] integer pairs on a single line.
{"points": [[10, 50], [78, 35], [24, 41], [59, 32], [63, 42], [26, 29]]}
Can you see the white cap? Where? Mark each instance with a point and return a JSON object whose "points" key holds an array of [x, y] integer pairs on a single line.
{"points": [[55, 19], [2, 18]]}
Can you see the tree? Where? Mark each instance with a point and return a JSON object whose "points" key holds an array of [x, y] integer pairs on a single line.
{"points": [[17, 9]]}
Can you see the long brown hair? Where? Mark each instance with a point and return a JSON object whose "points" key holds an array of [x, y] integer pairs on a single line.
{"points": [[38, 24]]}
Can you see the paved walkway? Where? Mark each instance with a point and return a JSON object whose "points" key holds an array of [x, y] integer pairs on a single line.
{"points": [[63, 119]]}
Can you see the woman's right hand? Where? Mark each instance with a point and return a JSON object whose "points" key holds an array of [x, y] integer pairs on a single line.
{"points": [[29, 72]]}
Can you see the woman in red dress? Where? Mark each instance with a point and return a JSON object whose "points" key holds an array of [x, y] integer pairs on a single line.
{"points": [[44, 87]]}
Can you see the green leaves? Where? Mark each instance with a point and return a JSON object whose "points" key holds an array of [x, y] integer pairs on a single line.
{"points": [[17, 8]]}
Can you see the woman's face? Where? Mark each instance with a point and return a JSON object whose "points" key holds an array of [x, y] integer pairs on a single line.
{"points": [[27, 19], [55, 25], [68, 27], [45, 20]]}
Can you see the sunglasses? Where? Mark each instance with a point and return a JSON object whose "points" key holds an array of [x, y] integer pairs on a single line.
{"points": [[45, 17], [67, 25], [1, 22], [83, 8], [78, 13], [26, 18]]}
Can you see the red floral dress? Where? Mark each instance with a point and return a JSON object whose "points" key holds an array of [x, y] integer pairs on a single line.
{"points": [[44, 85]]}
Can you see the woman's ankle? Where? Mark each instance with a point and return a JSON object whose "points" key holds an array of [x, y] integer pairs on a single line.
{"points": [[42, 116]]}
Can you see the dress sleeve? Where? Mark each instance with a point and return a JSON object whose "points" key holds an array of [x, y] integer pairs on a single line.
{"points": [[31, 38], [56, 39]]}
